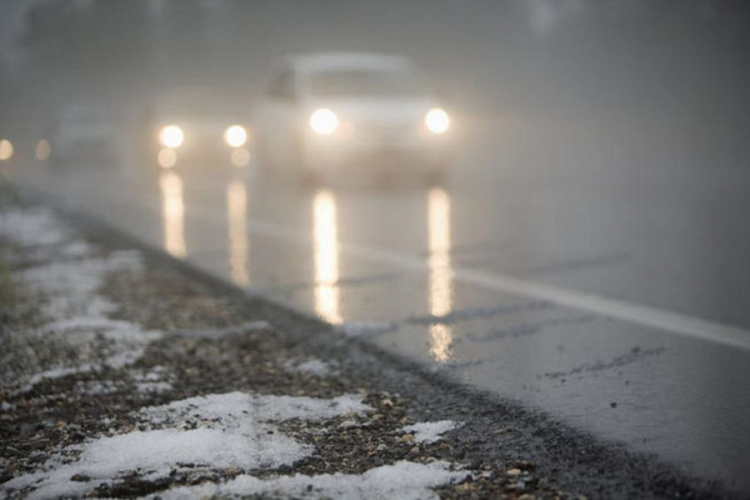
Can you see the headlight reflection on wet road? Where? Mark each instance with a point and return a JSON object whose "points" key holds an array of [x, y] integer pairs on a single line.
{"points": [[167, 158], [173, 213], [239, 247], [441, 272], [240, 157], [326, 243]]}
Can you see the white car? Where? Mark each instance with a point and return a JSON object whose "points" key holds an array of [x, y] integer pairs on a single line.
{"points": [[340, 113]]}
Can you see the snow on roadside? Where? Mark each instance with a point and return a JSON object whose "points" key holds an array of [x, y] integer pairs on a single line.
{"points": [[32, 228], [261, 408], [430, 432], [78, 336], [154, 381], [314, 367], [226, 431], [217, 431], [403, 480]]}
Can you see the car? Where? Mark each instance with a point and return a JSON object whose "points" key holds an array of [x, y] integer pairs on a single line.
{"points": [[337, 113], [197, 127]]}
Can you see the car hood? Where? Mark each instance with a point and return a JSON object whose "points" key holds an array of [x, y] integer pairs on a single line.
{"points": [[377, 111]]}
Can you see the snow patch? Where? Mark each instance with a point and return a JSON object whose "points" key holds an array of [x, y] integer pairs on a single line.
{"points": [[153, 387], [314, 367], [33, 227], [430, 432], [76, 249], [217, 431], [72, 286], [156, 380], [97, 387], [350, 423], [261, 408], [403, 480], [79, 336]]}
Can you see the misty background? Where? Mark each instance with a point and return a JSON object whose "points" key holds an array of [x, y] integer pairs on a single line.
{"points": [[553, 63]]}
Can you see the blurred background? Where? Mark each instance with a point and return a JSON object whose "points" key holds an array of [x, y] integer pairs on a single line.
{"points": [[577, 63], [600, 156]]}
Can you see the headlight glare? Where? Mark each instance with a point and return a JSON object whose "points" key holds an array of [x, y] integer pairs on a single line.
{"points": [[235, 136], [6, 150], [437, 121], [324, 121], [171, 136]]}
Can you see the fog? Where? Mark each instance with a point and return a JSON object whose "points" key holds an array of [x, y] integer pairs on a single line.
{"points": [[594, 163], [573, 60]]}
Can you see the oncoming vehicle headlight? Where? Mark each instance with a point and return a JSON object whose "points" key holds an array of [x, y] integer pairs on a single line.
{"points": [[437, 121], [6, 150], [235, 136], [324, 121], [171, 136]]}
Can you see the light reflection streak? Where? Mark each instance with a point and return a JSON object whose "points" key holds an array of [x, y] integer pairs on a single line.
{"points": [[238, 238], [240, 157], [173, 213], [167, 158], [441, 272], [326, 243]]}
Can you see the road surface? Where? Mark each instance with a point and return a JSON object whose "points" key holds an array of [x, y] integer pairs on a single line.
{"points": [[604, 282]]}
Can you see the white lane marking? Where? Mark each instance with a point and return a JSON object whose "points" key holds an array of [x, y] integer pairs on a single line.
{"points": [[668, 321]]}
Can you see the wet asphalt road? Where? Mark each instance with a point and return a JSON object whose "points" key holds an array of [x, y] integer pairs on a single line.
{"points": [[602, 278]]}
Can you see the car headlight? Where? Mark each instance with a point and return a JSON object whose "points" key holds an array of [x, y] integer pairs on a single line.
{"points": [[437, 121], [235, 136], [171, 136], [6, 150], [324, 121]]}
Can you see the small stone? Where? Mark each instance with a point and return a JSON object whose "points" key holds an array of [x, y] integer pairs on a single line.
{"points": [[414, 450], [381, 447], [407, 438], [513, 472], [81, 478], [613, 405]]}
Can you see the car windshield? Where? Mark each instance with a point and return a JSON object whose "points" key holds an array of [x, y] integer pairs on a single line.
{"points": [[364, 83]]}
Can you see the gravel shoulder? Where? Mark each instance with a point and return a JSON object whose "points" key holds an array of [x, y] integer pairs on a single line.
{"points": [[125, 373]]}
